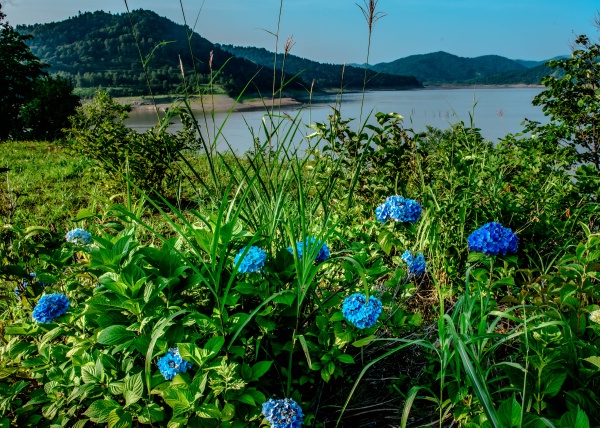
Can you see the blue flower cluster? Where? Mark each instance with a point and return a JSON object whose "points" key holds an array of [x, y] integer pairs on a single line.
{"points": [[253, 261], [398, 208], [361, 313], [322, 255], [493, 239], [50, 306], [416, 264], [172, 363], [283, 413], [79, 237]]}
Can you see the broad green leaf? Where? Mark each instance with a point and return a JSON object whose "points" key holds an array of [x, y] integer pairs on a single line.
{"points": [[595, 360], [89, 375], [553, 382], [99, 410], [364, 341], [214, 344], [208, 411], [119, 418], [133, 389], [228, 412], [345, 358], [260, 368], [114, 335]]}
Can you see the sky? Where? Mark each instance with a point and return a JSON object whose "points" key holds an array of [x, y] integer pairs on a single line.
{"points": [[335, 31]]}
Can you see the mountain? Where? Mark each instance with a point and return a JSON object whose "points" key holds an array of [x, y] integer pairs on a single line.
{"points": [[529, 76], [99, 49], [323, 75], [444, 68]]}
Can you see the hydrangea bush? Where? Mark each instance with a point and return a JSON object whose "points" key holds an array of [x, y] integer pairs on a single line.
{"points": [[359, 312], [79, 237], [400, 209], [50, 307], [416, 264], [253, 261], [493, 239], [307, 246], [283, 413], [172, 363]]}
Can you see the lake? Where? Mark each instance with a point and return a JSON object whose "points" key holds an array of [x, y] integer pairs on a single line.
{"points": [[496, 111]]}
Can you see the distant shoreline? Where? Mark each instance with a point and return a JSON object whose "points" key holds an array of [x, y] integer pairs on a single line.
{"points": [[217, 103], [224, 103]]}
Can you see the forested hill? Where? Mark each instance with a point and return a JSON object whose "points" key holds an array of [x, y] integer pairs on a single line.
{"points": [[98, 49], [324, 75], [441, 68]]}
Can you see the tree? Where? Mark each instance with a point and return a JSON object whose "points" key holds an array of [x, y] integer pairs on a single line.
{"points": [[572, 101], [19, 68], [42, 117]]}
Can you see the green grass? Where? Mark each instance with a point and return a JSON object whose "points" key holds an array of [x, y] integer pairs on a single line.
{"points": [[46, 185]]}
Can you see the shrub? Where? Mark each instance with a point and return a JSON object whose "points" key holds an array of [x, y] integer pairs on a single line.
{"points": [[147, 159]]}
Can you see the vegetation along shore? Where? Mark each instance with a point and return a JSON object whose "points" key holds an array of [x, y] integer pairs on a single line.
{"points": [[373, 276]]}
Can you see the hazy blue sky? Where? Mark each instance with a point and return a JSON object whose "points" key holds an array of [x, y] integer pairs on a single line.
{"points": [[335, 30]]}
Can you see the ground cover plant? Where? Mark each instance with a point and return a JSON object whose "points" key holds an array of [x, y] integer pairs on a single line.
{"points": [[382, 277]]}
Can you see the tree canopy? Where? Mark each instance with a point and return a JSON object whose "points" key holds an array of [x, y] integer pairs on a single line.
{"points": [[28, 97]]}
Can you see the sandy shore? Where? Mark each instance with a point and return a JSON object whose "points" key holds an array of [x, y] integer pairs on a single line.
{"points": [[218, 103]]}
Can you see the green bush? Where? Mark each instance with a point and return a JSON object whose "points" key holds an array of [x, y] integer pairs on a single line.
{"points": [[147, 159]]}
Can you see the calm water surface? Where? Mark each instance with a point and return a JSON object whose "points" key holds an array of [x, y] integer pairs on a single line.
{"points": [[496, 111]]}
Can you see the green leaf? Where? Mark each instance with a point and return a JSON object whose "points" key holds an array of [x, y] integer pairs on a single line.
{"points": [[119, 418], [215, 344], [208, 411], [595, 360], [99, 410], [80, 423], [286, 298], [133, 389], [553, 382], [114, 335], [345, 358], [364, 341], [260, 368], [89, 375], [228, 412], [575, 418], [509, 413], [152, 413], [337, 316], [84, 214], [247, 399], [385, 240], [305, 349]]}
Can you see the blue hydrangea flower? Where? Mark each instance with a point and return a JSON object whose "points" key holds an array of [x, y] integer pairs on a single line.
{"points": [[172, 363], [493, 239], [50, 306], [79, 237], [361, 313], [253, 261], [283, 413], [310, 242], [416, 264], [398, 208]]}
